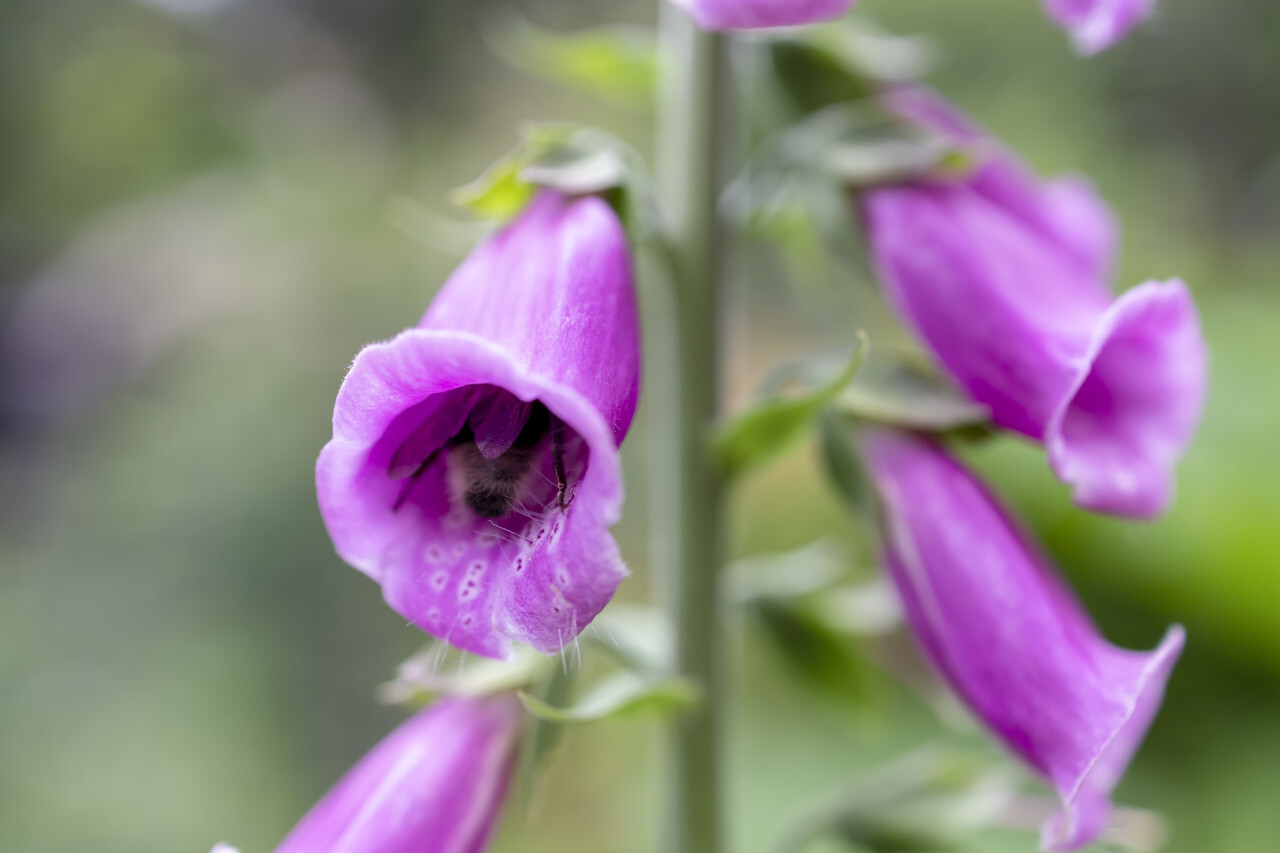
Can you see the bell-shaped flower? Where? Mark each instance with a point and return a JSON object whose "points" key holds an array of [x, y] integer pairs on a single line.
{"points": [[473, 470], [1008, 635], [434, 785], [759, 14], [1096, 25], [1004, 278]]}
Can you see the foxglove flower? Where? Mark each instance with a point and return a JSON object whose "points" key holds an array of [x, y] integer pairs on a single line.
{"points": [[1096, 25], [473, 470], [434, 785], [1004, 278], [758, 14], [1008, 635]]}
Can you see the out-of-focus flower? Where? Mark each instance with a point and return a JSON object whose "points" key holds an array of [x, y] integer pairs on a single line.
{"points": [[1008, 635], [1004, 278], [473, 470], [758, 14], [434, 785], [1096, 25]]}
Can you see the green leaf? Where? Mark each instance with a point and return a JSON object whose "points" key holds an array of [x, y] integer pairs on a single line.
{"points": [[618, 64], [844, 465], [905, 392], [766, 430], [621, 693]]}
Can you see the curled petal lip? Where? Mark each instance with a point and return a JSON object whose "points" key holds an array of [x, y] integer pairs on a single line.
{"points": [[1133, 404], [1087, 801]]}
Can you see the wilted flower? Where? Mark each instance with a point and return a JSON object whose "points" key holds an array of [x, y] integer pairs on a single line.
{"points": [[434, 785], [473, 470], [1004, 278], [1097, 24], [1008, 635], [757, 14]]}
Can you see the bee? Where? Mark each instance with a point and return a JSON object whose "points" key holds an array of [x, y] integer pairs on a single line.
{"points": [[492, 487]]}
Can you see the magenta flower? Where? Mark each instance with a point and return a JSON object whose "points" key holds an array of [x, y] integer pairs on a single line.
{"points": [[1008, 635], [1004, 278], [473, 470], [434, 785], [1096, 25], [758, 14]]}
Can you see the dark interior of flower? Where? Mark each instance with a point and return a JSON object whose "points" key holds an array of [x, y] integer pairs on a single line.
{"points": [[491, 452]]}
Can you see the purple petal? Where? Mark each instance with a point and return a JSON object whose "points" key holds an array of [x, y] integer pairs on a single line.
{"points": [[434, 785], [759, 14], [1005, 317], [1135, 403], [1096, 25], [539, 320], [1008, 635], [1066, 212]]}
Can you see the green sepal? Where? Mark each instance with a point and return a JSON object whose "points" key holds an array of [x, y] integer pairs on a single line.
{"points": [[618, 64], [622, 693], [902, 390], [427, 675], [771, 426], [573, 160]]}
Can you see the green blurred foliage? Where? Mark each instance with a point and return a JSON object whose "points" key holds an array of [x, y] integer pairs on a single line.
{"points": [[198, 229]]}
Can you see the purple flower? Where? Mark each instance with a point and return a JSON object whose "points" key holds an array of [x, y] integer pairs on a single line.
{"points": [[1004, 278], [473, 470], [434, 785], [757, 14], [1096, 25], [1009, 636]]}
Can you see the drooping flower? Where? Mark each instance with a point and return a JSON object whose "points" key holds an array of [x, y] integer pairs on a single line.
{"points": [[434, 785], [1009, 636], [1096, 25], [1004, 278], [759, 14], [473, 470]]}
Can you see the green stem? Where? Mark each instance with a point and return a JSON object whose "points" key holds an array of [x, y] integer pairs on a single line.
{"points": [[693, 140]]}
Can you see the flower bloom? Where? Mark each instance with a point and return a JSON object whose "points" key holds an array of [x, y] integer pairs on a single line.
{"points": [[1096, 25], [473, 471], [434, 785], [1009, 637], [1004, 278], [757, 14]]}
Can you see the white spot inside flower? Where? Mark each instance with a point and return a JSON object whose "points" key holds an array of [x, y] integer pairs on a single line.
{"points": [[469, 589], [440, 580], [562, 577], [434, 553], [477, 569], [458, 550], [433, 616], [469, 620], [518, 565]]}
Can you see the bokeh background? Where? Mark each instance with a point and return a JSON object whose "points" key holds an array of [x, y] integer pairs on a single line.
{"points": [[207, 206]]}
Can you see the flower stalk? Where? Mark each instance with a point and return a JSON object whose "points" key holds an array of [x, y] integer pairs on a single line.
{"points": [[693, 140]]}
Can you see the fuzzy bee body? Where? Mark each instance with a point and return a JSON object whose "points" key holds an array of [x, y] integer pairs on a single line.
{"points": [[493, 486]]}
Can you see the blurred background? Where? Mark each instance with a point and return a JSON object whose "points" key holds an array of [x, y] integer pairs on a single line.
{"points": [[208, 206]]}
